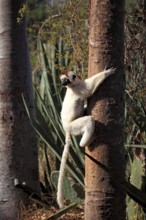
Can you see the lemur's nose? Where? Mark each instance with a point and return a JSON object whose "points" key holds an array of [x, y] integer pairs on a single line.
{"points": [[65, 82]]}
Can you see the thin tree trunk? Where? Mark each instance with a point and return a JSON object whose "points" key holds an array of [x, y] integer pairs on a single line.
{"points": [[18, 150], [104, 199]]}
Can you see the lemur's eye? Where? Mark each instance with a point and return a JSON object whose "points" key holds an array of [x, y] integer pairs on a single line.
{"points": [[74, 76]]}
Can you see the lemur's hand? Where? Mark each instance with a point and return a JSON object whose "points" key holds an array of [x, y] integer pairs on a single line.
{"points": [[110, 71]]}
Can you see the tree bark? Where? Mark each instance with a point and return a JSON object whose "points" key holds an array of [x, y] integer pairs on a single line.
{"points": [[18, 149], [104, 199]]}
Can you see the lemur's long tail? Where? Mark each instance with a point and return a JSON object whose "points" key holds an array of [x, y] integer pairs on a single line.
{"points": [[60, 194]]}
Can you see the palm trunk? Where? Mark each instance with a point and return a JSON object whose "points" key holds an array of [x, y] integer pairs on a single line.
{"points": [[18, 150], [104, 199]]}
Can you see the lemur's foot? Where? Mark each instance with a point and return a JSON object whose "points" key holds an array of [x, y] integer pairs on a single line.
{"points": [[90, 142]]}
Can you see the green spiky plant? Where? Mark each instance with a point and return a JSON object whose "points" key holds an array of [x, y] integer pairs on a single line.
{"points": [[54, 56], [48, 96]]}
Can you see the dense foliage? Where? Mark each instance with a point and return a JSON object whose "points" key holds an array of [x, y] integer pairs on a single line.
{"points": [[67, 23]]}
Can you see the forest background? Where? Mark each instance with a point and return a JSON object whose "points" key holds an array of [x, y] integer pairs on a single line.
{"points": [[58, 37]]}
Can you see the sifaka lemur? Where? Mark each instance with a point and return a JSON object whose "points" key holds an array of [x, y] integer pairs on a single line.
{"points": [[73, 121]]}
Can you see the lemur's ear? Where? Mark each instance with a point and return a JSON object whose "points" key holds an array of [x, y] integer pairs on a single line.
{"points": [[69, 74], [64, 72]]}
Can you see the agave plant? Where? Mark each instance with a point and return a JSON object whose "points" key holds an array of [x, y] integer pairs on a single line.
{"points": [[48, 99]]}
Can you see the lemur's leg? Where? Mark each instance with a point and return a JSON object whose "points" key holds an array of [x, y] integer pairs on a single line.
{"points": [[85, 126], [88, 131]]}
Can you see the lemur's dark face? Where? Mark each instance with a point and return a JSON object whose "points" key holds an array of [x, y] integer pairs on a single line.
{"points": [[68, 78]]}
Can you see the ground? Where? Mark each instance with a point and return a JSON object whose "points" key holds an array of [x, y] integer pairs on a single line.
{"points": [[34, 213]]}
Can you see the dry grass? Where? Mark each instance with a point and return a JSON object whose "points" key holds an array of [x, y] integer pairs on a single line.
{"points": [[34, 213]]}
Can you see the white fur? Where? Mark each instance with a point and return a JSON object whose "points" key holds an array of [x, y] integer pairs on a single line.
{"points": [[73, 121]]}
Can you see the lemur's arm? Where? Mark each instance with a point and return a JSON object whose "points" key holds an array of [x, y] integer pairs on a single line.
{"points": [[93, 82]]}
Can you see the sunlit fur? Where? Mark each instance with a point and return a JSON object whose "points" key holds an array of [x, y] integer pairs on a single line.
{"points": [[73, 121]]}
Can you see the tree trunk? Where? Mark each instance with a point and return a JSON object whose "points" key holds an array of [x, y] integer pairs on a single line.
{"points": [[104, 199], [18, 149]]}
